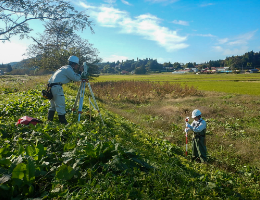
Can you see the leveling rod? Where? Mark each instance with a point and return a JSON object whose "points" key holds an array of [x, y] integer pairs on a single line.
{"points": [[186, 134]]}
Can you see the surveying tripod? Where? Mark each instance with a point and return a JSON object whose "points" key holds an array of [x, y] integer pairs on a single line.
{"points": [[81, 91]]}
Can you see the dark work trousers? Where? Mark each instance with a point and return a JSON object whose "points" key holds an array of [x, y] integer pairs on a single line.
{"points": [[199, 149]]}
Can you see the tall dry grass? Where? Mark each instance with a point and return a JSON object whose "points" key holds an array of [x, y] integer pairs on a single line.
{"points": [[19, 83], [141, 91], [233, 128]]}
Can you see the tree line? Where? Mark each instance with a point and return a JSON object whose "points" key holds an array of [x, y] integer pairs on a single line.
{"points": [[47, 62], [250, 60], [5, 68]]}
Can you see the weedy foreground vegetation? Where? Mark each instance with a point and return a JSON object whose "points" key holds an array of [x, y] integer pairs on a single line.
{"points": [[138, 154]]}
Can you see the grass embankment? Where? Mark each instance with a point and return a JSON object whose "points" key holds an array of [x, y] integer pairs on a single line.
{"points": [[138, 156]]}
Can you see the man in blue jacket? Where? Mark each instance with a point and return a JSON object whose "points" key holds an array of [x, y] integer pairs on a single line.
{"points": [[198, 126]]}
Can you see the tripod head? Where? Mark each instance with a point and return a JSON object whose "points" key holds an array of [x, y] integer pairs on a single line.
{"points": [[85, 71]]}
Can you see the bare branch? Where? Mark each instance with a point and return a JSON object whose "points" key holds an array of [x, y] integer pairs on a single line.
{"points": [[16, 13]]}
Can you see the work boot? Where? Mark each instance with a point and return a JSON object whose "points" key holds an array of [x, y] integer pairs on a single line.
{"points": [[51, 115], [62, 119]]}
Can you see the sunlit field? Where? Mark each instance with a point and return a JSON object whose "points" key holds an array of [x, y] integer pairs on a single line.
{"points": [[230, 83]]}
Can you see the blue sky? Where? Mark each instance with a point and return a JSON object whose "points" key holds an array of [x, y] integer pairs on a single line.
{"points": [[167, 30]]}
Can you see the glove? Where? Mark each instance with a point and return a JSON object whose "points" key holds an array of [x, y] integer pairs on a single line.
{"points": [[186, 130], [188, 125]]}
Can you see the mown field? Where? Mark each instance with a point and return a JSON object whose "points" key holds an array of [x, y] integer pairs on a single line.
{"points": [[140, 152]]}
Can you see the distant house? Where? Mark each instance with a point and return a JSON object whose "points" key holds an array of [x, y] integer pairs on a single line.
{"points": [[124, 72], [223, 69], [220, 70], [253, 70], [179, 72], [206, 71], [194, 69], [187, 70]]}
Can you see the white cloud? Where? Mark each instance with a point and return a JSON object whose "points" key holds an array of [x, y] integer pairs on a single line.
{"points": [[223, 41], [110, 1], [234, 46], [115, 58], [238, 40], [180, 22], [205, 35], [12, 52], [110, 17], [229, 52], [243, 39], [86, 6], [126, 2], [146, 25], [218, 48]]}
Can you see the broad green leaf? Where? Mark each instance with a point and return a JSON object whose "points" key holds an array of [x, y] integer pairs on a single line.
{"points": [[65, 172], [20, 150], [142, 163], [48, 136], [18, 172], [5, 150], [30, 151], [89, 149], [16, 161], [5, 162], [30, 172], [4, 187], [211, 185], [31, 190], [69, 145], [40, 151]]}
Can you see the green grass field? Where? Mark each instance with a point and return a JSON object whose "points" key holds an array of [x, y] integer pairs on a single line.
{"points": [[229, 83]]}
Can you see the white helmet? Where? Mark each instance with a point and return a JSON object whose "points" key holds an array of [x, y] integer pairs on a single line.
{"points": [[74, 59], [195, 113]]}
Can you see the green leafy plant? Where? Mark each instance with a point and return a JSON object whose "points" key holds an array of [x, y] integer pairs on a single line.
{"points": [[123, 160]]}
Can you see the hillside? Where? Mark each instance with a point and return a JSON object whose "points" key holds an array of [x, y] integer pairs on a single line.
{"points": [[121, 160]]}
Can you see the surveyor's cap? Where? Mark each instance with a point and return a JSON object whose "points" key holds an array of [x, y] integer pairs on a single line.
{"points": [[195, 113], [74, 59]]}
